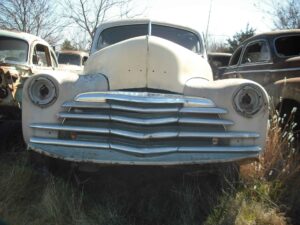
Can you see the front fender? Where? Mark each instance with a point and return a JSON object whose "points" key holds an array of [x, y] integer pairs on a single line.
{"points": [[285, 89], [222, 93], [68, 85]]}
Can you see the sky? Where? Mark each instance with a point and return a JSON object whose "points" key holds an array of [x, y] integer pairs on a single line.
{"points": [[227, 16]]}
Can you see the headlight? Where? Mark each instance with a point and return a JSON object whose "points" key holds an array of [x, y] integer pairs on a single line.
{"points": [[42, 91], [248, 100]]}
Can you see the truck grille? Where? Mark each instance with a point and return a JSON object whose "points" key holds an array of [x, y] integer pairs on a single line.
{"points": [[144, 123]]}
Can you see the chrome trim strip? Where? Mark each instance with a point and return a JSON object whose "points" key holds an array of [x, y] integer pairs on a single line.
{"points": [[205, 121], [143, 121], [91, 105], [148, 150], [148, 135], [95, 105], [67, 115], [212, 110], [229, 134], [144, 97], [70, 128], [264, 71]]}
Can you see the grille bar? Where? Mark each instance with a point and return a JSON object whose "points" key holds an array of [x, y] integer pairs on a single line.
{"points": [[144, 109], [144, 97], [146, 135], [144, 121], [148, 150]]}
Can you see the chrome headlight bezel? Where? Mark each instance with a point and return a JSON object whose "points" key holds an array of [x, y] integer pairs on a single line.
{"points": [[248, 100], [42, 91]]}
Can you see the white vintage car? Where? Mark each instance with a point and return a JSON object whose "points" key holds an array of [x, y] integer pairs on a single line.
{"points": [[147, 97], [21, 56], [70, 60]]}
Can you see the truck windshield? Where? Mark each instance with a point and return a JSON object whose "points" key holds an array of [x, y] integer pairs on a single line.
{"points": [[67, 58], [117, 34], [182, 37], [12, 49]]}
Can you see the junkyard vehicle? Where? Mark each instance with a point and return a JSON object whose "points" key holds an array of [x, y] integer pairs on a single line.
{"points": [[21, 55], [273, 60], [218, 62], [72, 60], [147, 97]]}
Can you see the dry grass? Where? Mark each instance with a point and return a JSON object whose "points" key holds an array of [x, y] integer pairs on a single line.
{"points": [[264, 191], [268, 189]]}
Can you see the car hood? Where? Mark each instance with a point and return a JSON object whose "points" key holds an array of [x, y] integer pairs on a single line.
{"points": [[148, 62], [69, 67]]}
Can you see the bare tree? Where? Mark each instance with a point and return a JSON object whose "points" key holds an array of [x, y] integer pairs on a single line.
{"points": [[287, 15], [284, 14], [37, 17], [89, 14]]}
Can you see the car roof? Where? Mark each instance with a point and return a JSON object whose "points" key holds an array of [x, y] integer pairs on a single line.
{"points": [[29, 38], [75, 52], [273, 34], [122, 22]]}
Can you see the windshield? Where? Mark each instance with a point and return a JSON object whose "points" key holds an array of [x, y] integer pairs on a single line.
{"points": [[288, 46], [12, 49], [67, 58], [182, 37]]}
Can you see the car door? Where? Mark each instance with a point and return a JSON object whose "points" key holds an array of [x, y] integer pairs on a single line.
{"points": [[256, 62], [41, 58], [232, 70]]}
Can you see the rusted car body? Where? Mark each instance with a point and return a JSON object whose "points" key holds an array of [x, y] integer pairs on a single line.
{"points": [[21, 56], [218, 62], [72, 60], [273, 60], [146, 97]]}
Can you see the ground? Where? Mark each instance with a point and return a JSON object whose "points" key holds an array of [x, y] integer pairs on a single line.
{"points": [[144, 195]]}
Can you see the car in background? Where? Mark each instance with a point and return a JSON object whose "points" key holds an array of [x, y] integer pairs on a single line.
{"points": [[273, 60], [72, 60], [218, 62], [21, 56], [146, 97]]}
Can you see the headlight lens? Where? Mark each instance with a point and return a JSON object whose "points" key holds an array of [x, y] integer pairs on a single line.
{"points": [[42, 91], [248, 100]]}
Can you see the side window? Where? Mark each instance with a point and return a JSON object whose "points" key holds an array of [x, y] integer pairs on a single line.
{"points": [[256, 53], [236, 56], [41, 56], [53, 59]]}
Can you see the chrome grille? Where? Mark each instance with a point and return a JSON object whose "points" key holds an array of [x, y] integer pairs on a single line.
{"points": [[144, 123]]}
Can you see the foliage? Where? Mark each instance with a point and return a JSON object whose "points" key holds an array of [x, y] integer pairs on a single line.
{"points": [[89, 14], [284, 14], [239, 37], [37, 17], [67, 45], [215, 46], [287, 15]]}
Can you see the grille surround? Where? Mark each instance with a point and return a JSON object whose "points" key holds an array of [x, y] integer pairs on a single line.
{"points": [[145, 125]]}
